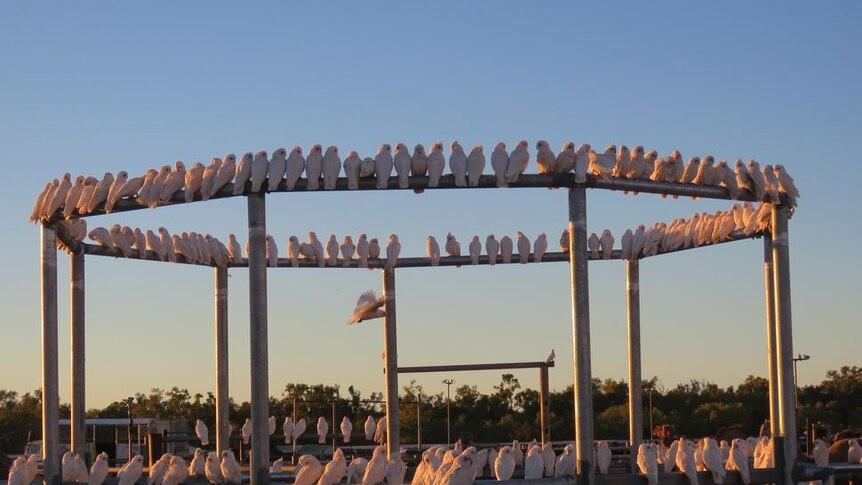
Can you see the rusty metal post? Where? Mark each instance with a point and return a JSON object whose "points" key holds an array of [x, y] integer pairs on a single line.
{"points": [[259, 463], [393, 439], [50, 377], [633, 307], [583, 390], [545, 407], [78, 355], [222, 404], [786, 446], [771, 358]]}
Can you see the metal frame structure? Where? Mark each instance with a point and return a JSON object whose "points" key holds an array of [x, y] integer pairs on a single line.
{"points": [[777, 274]]}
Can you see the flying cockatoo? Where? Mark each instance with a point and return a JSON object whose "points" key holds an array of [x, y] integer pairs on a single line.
{"points": [[492, 247], [401, 162], [499, 163], [475, 165], [518, 161], [314, 166], [419, 161], [545, 158], [277, 169], [259, 170], [202, 432], [331, 167], [603, 457], [436, 164], [368, 307], [383, 164], [243, 175], [294, 166], [458, 164], [346, 429], [433, 250], [475, 249], [540, 247], [351, 169], [322, 430]]}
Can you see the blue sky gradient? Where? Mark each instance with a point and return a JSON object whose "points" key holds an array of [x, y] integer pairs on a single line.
{"points": [[109, 87]]}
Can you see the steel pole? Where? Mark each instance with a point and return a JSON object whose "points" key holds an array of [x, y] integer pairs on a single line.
{"points": [[545, 408], [419, 421], [771, 357], [76, 301], [390, 342], [222, 404], [259, 463], [633, 307], [583, 391], [50, 379], [786, 447]]}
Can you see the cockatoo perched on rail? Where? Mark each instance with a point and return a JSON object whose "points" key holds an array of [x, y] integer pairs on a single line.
{"points": [[368, 307]]}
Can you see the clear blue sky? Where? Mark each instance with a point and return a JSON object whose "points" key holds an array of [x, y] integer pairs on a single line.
{"points": [[110, 87]]}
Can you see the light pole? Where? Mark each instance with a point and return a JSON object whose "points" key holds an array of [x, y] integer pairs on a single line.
{"points": [[448, 383], [130, 401], [799, 357]]}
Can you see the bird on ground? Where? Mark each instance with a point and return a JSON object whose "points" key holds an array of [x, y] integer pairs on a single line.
{"points": [[401, 161], [331, 249], [208, 178], [603, 457], [230, 468], [212, 468], [351, 169], [475, 165], [593, 244], [713, 460], [314, 167], [492, 247], [298, 428], [362, 250], [277, 466], [99, 470], [293, 167], [433, 250], [331, 167], [436, 164], [533, 464], [475, 249], [738, 461], [582, 162], [375, 470], [197, 467], [175, 181], [607, 244], [245, 432], [334, 471], [346, 429], [259, 170], [523, 247], [322, 430], [540, 247], [419, 161], [647, 462], [519, 159], [458, 164], [383, 164], [565, 465], [276, 170], [177, 472], [370, 427], [133, 471], [393, 249], [685, 461], [545, 158], [506, 249], [202, 432], [504, 466], [499, 163], [348, 249], [368, 307], [243, 173], [602, 164], [453, 247], [287, 429], [355, 470]]}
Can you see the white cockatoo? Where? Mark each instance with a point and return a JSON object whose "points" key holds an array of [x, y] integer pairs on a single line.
{"points": [[786, 184], [533, 464], [348, 249], [549, 458], [500, 163], [230, 468], [277, 466], [331, 249], [158, 469], [259, 170], [298, 428], [362, 250], [271, 251], [603, 457], [334, 471], [270, 426], [366, 167], [316, 248], [368, 307], [854, 451], [197, 467], [705, 171], [74, 195], [540, 247], [685, 461], [419, 161], [233, 248], [395, 469], [606, 241], [475, 249], [647, 461], [475, 165], [593, 245], [582, 161], [351, 169], [37, 212], [287, 429], [202, 432], [504, 466], [331, 167], [276, 170], [492, 247], [243, 174], [245, 431], [517, 453], [433, 250], [322, 430], [132, 471], [712, 459], [738, 460], [383, 164], [566, 159], [461, 471], [294, 166], [380, 432], [523, 247], [393, 250], [690, 170], [346, 429], [565, 465], [453, 247], [375, 470], [100, 192], [602, 164], [226, 173], [370, 427], [623, 167], [314, 167], [506, 249], [626, 242], [355, 470], [757, 180], [436, 164], [545, 158], [99, 470], [458, 164], [519, 159], [401, 162], [178, 471], [212, 468]]}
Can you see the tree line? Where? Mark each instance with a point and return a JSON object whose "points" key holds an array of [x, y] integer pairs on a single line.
{"points": [[509, 412]]}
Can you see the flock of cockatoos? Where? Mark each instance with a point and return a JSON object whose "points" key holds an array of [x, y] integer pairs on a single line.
{"points": [[700, 229], [259, 172]]}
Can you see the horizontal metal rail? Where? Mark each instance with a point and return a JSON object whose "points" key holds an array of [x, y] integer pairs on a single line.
{"points": [[758, 476], [420, 183], [472, 367]]}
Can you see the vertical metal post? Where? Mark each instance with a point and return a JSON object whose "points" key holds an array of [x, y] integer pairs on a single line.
{"points": [[50, 378], [786, 447], [222, 404], [771, 357], [393, 440], [78, 364], [633, 307], [333, 425], [545, 407], [259, 464], [419, 421], [583, 398], [293, 440]]}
